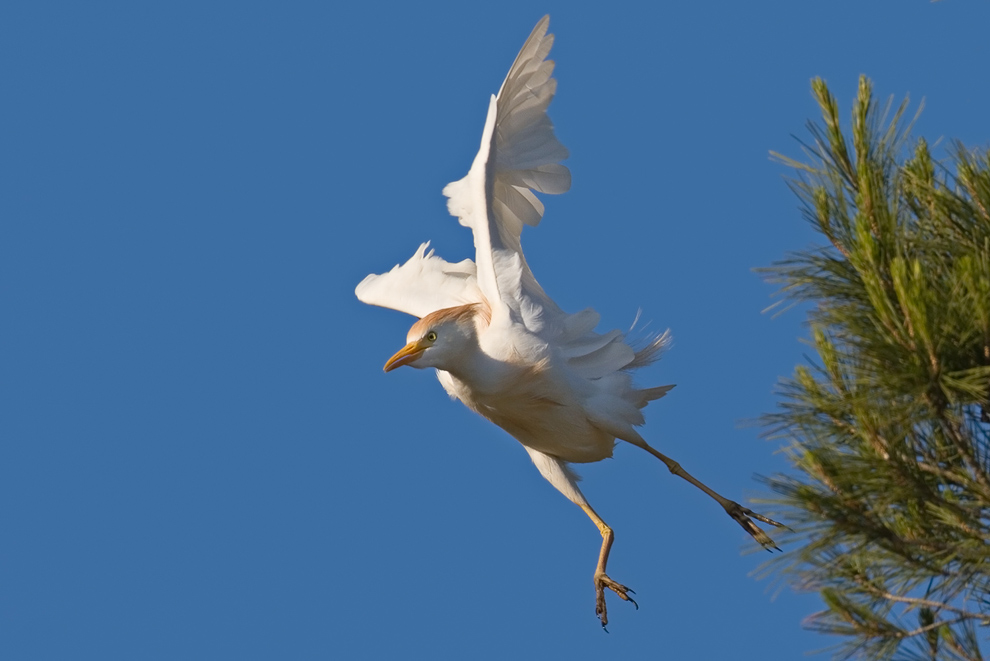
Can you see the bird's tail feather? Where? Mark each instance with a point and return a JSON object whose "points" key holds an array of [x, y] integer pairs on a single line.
{"points": [[650, 352]]}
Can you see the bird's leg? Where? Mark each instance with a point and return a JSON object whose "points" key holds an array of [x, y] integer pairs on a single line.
{"points": [[739, 513], [602, 580]]}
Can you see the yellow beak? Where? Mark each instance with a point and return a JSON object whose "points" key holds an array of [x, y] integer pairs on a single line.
{"points": [[405, 355]]}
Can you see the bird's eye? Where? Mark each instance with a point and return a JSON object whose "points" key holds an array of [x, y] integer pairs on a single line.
{"points": [[431, 336]]}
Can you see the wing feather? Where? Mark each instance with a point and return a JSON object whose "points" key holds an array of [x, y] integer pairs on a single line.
{"points": [[519, 154], [424, 284]]}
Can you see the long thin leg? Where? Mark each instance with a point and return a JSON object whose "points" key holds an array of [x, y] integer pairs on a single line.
{"points": [[602, 580], [560, 476], [739, 513]]}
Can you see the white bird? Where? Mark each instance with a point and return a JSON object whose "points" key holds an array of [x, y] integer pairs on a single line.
{"points": [[499, 344]]}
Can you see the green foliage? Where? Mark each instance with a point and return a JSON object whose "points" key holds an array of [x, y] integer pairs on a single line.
{"points": [[890, 433]]}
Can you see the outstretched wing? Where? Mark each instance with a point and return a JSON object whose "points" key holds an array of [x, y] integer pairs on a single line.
{"points": [[422, 285], [519, 154]]}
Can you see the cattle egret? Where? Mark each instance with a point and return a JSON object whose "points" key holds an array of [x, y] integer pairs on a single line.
{"points": [[498, 342]]}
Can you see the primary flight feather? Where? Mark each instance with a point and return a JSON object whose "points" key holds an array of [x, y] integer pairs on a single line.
{"points": [[501, 345]]}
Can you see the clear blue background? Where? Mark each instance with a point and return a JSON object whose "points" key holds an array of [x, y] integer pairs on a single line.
{"points": [[200, 456]]}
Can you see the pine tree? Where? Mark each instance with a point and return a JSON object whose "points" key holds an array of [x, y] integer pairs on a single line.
{"points": [[888, 427]]}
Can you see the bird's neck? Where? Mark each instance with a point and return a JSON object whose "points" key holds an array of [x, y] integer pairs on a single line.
{"points": [[479, 371]]}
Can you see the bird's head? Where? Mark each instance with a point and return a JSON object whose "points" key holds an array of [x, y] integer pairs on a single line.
{"points": [[439, 339]]}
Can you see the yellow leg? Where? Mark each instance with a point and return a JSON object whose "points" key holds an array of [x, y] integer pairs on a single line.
{"points": [[602, 580]]}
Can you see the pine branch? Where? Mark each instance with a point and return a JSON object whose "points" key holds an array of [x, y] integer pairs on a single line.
{"points": [[888, 435]]}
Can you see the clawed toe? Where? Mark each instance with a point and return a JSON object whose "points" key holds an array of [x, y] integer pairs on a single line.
{"points": [[601, 582], [742, 516]]}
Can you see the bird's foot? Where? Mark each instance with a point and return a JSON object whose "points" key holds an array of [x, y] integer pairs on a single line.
{"points": [[742, 517], [601, 582]]}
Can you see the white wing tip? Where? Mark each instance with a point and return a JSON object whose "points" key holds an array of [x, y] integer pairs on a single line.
{"points": [[362, 288]]}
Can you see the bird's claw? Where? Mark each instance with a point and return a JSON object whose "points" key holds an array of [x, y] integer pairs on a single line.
{"points": [[601, 582], [742, 516]]}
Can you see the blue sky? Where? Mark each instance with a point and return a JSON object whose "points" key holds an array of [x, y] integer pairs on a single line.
{"points": [[200, 456]]}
